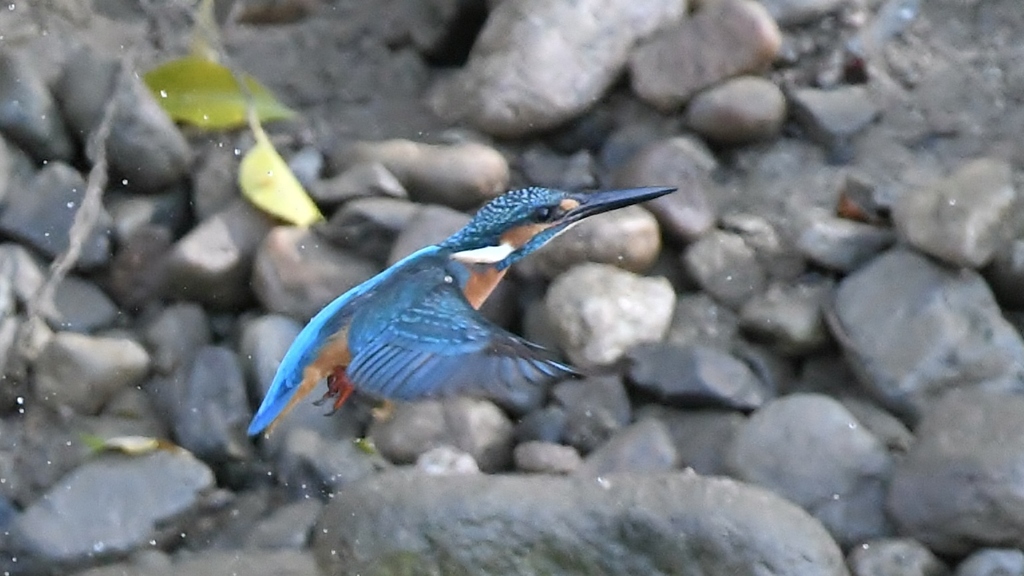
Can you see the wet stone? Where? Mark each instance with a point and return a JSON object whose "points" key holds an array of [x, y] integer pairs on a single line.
{"points": [[698, 319], [476, 426], [682, 162], [28, 114], [811, 450], [963, 219], [701, 437], [80, 306], [287, 527], [887, 428], [215, 179], [772, 251], [739, 111], [546, 458], [545, 168], [213, 409], [722, 40], [600, 311], [695, 377], [641, 448], [309, 465], [297, 273], [545, 424], [562, 60], [832, 116], [444, 460], [173, 338], [902, 556], [789, 319], [993, 562], [841, 244], [42, 213], [82, 517], [595, 408], [369, 226], [138, 272], [170, 209], [359, 181], [725, 267]]}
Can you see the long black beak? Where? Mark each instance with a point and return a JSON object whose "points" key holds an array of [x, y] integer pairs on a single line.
{"points": [[598, 202]]}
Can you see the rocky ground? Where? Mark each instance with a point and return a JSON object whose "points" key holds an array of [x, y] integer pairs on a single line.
{"points": [[807, 361]]}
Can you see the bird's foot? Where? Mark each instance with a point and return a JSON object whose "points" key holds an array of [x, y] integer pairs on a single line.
{"points": [[383, 412], [339, 387]]}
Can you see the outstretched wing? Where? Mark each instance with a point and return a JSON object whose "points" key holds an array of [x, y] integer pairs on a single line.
{"points": [[432, 342]]}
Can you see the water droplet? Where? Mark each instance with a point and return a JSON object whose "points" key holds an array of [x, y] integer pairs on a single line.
{"points": [[163, 93], [71, 204], [124, 182]]}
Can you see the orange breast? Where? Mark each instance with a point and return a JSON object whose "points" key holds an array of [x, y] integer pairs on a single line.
{"points": [[482, 281]]}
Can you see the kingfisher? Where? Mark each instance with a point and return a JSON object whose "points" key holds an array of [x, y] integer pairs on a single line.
{"points": [[414, 330]]}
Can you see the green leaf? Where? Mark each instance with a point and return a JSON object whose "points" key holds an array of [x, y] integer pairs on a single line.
{"points": [[201, 92]]}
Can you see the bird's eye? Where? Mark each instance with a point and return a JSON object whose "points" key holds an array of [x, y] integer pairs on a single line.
{"points": [[547, 213]]}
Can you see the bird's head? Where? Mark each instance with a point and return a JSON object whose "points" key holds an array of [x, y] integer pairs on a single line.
{"points": [[521, 221]]}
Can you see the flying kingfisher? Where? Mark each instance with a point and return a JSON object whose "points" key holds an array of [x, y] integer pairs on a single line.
{"points": [[413, 331]]}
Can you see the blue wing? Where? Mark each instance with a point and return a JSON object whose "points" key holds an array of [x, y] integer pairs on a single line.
{"points": [[307, 345], [424, 339]]}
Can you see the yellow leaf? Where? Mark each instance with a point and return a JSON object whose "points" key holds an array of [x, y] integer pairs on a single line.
{"points": [[199, 91], [268, 183]]}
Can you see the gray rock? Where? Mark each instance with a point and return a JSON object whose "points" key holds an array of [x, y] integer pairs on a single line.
{"points": [[459, 175], [215, 563], [1005, 275], [627, 238], [170, 209], [575, 525], [682, 162], [811, 450], [722, 40], [83, 517], [138, 272], [772, 251], [895, 557], [993, 562], [961, 339], [841, 244], [701, 437], [886, 427], [429, 225], [306, 164], [547, 424], [369, 226], [83, 372], [562, 60], [80, 306], [308, 465], [738, 111], [444, 460], [789, 12], [41, 215], [964, 218], [950, 492], [832, 116], [28, 114], [359, 181], [144, 147], [288, 527], [546, 458], [599, 311], [212, 264], [297, 273], [475, 426], [698, 319], [788, 318], [725, 267], [595, 408], [173, 339], [215, 179], [542, 167], [22, 269], [641, 448], [694, 377], [213, 409]]}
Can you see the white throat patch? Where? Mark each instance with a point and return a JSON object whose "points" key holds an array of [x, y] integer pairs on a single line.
{"points": [[485, 255]]}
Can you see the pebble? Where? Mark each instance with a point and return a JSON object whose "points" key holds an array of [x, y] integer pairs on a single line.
{"points": [[429, 224], [170, 209], [627, 238], [830, 117], [477, 427], [961, 338], [594, 408], [369, 226], [694, 377], [1005, 274], [725, 267], [772, 251], [840, 244], [82, 517], [138, 272], [463, 175], [688, 165], [546, 458], [297, 273], [82, 372], [546, 424], [641, 448], [173, 337], [886, 427], [950, 492], [788, 318], [564, 57], [795, 12], [28, 113], [738, 111], [80, 306], [215, 179], [543, 167], [212, 411], [361, 180], [212, 562], [993, 562], [698, 319], [721, 40], [903, 556], [444, 460], [599, 311], [309, 465], [553, 514], [701, 437], [809, 449], [962, 219], [288, 527], [42, 213], [212, 264]]}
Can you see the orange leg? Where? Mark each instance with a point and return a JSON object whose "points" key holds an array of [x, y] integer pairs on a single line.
{"points": [[339, 387]]}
